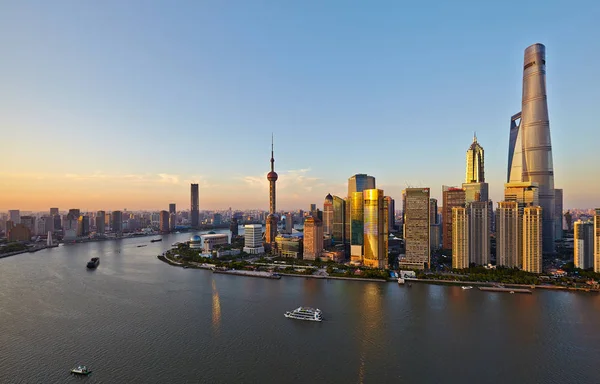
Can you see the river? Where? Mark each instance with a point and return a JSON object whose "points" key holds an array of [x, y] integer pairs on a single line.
{"points": [[136, 319]]}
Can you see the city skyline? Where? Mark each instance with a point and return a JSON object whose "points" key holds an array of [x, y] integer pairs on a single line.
{"points": [[121, 141]]}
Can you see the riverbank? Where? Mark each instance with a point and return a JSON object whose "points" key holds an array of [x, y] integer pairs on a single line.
{"points": [[492, 284], [29, 250], [393, 280]]}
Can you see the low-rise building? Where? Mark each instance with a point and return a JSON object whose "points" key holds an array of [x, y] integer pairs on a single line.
{"points": [[209, 241]]}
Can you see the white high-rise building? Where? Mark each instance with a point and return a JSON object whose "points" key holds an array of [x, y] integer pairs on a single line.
{"points": [[253, 239]]}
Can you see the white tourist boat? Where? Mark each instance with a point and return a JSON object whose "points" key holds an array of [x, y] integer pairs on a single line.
{"points": [[305, 313], [467, 287]]}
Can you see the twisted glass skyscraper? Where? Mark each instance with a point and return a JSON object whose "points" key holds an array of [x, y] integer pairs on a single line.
{"points": [[530, 148]]}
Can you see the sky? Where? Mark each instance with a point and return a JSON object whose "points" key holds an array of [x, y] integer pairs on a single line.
{"points": [[122, 104]]}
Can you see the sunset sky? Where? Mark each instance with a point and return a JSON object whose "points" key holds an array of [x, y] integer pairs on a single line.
{"points": [[122, 104]]}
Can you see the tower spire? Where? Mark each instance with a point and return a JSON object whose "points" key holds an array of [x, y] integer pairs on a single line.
{"points": [[474, 136], [272, 157]]}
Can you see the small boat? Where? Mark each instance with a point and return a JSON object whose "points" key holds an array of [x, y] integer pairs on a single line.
{"points": [[467, 287], [400, 281], [185, 267], [93, 263], [80, 370], [305, 313], [512, 291], [155, 240], [143, 245]]}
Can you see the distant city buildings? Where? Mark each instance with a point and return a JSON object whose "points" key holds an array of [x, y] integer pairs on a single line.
{"points": [[14, 215], [558, 214]]}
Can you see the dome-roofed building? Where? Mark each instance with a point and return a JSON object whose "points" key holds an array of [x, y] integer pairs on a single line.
{"points": [[196, 242]]}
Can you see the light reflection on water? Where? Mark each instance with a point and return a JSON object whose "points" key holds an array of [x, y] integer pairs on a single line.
{"points": [[216, 309]]}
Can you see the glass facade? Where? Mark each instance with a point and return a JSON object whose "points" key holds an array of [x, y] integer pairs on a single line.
{"points": [[357, 219], [339, 220], [375, 229]]}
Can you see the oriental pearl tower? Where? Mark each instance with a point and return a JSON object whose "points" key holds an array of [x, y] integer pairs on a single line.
{"points": [[272, 219]]}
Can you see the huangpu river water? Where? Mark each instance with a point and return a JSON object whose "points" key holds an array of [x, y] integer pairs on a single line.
{"points": [[138, 320]]}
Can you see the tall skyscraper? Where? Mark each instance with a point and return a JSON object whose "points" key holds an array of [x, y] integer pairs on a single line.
{"points": [[359, 183], [272, 219], [532, 239], [583, 244], [100, 222], [375, 228], [416, 228], [452, 197], [460, 238], [558, 214], [195, 206], [479, 233], [434, 226], [597, 241], [313, 208], [357, 226], [163, 225], [53, 211], [338, 235], [475, 169], [508, 235], [530, 148], [117, 222], [172, 208], [328, 215], [313, 238], [391, 204]]}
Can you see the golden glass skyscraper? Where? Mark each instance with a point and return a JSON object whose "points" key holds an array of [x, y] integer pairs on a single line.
{"points": [[532, 239], [357, 226], [475, 169], [460, 238], [375, 229]]}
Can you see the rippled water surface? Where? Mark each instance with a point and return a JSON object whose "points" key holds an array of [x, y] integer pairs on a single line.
{"points": [[138, 320]]}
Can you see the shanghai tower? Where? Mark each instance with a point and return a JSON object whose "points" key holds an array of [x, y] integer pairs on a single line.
{"points": [[530, 148]]}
